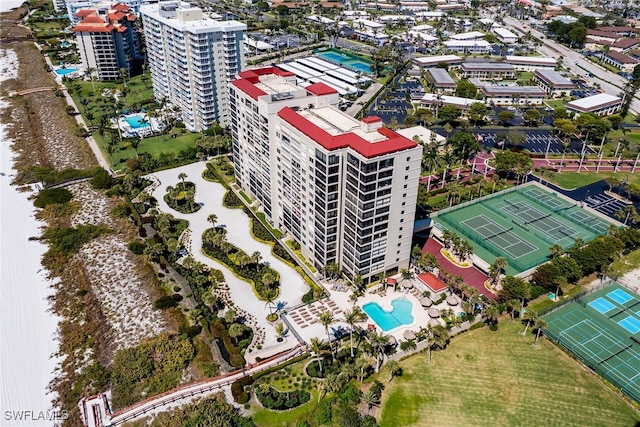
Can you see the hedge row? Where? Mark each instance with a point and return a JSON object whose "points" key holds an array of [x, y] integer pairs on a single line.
{"points": [[240, 395], [274, 399]]}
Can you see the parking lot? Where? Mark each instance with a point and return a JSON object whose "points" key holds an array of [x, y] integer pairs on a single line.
{"points": [[537, 141], [605, 204], [393, 103]]}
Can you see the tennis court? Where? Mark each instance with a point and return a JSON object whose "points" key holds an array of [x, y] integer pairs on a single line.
{"points": [[521, 224], [602, 334]]}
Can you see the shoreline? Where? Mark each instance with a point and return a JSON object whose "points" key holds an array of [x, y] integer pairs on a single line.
{"points": [[28, 327]]}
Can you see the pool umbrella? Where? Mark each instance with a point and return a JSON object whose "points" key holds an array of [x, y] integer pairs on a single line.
{"points": [[434, 312], [433, 322], [407, 285], [409, 335], [392, 340], [451, 300], [426, 302]]}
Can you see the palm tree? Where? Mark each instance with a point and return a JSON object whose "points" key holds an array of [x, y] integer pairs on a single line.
{"points": [[213, 219], [326, 319], [371, 399], [182, 176], [351, 318], [256, 257], [89, 72], [496, 269], [378, 344], [269, 296], [394, 369], [491, 313], [406, 274], [539, 325], [531, 317], [236, 330], [317, 348], [135, 143], [514, 305], [556, 251], [440, 336]]}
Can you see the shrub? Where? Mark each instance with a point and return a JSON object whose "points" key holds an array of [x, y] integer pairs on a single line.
{"points": [[281, 252], [67, 240], [191, 331], [120, 210], [136, 247], [536, 291], [164, 303], [52, 195], [177, 288], [232, 201], [238, 392], [260, 231], [274, 399], [308, 298], [177, 297], [101, 180]]}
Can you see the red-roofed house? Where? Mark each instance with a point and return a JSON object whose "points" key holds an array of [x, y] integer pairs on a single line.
{"points": [[107, 40], [345, 189]]}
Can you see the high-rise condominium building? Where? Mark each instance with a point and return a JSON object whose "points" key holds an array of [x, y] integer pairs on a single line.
{"points": [[73, 6], [192, 58], [344, 189], [107, 39]]}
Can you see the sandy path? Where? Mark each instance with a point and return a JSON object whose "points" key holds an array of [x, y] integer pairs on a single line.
{"points": [[210, 195]]}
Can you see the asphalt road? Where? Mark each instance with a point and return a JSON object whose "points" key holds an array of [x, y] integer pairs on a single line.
{"points": [[610, 83]]}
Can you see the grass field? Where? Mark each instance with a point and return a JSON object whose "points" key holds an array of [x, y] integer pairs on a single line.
{"points": [[489, 378], [570, 180], [625, 264]]}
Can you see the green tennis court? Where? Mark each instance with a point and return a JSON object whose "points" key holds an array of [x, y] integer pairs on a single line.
{"points": [[603, 334], [521, 224]]}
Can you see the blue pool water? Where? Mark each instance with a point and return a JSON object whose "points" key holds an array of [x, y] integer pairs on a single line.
{"points": [[619, 296], [65, 71], [347, 61], [135, 121], [601, 305], [387, 320]]}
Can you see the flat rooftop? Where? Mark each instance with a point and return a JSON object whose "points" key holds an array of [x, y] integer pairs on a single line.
{"points": [[441, 77], [486, 66], [467, 43], [513, 90], [535, 60], [595, 102], [555, 79], [272, 84], [336, 122], [437, 59]]}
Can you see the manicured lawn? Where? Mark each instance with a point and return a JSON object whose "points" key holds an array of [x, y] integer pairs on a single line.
{"points": [[555, 103], [489, 378], [571, 180], [284, 380]]}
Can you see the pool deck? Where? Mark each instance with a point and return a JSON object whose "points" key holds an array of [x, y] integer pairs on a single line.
{"points": [[303, 319]]}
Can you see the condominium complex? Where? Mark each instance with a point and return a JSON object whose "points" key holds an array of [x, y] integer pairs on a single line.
{"points": [[73, 6], [192, 57], [344, 189], [107, 39]]}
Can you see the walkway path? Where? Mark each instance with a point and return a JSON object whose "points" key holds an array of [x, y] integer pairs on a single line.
{"points": [[472, 276], [210, 195], [364, 98], [95, 411]]}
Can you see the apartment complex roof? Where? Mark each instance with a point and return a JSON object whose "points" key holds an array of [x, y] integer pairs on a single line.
{"points": [[593, 103], [621, 57], [486, 66], [524, 91], [441, 77], [554, 79], [389, 142], [533, 60]]}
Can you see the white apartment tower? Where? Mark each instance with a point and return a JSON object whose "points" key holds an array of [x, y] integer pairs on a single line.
{"points": [[192, 57], [344, 189]]}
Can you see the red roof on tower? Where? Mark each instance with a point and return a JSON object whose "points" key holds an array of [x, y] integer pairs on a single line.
{"points": [[85, 12], [248, 87], [393, 143], [372, 119], [320, 89]]}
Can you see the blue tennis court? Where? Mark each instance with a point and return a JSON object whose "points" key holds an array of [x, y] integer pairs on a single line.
{"points": [[631, 324], [601, 305], [619, 296]]}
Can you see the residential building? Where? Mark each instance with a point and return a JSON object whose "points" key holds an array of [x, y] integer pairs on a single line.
{"points": [[436, 60], [437, 101], [620, 30], [513, 95], [467, 46], [601, 104], [625, 45], [192, 58], [594, 45], [604, 36], [488, 70], [619, 60], [471, 35], [73, 6], [344, 189], [107, 40], [441, 80], [505, 36], [59, 5], [552, 82], [530, 63]]}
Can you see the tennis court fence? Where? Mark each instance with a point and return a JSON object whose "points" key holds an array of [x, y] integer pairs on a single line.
{"points": [[594, 364], [494, 249], [476, 201], [579, 298]]}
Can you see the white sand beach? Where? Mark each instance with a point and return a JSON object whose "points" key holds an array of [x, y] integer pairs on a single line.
{"points": [[7, 5], [27, 329]]}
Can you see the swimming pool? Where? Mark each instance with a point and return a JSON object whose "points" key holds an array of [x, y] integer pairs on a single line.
{"points": [[65, 71], [136, 121], [387, 320], [346, 60]]}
